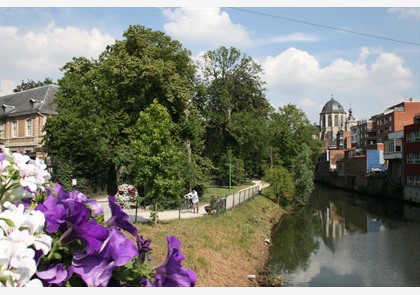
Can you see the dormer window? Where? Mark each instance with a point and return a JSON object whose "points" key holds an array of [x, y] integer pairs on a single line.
{"points": [[8, 108], [35, 102]]}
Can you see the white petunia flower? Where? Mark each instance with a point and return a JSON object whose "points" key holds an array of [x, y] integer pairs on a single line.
{"points": [[17, 263]]}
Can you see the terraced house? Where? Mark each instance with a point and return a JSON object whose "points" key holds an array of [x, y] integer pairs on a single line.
{"points": [[22, 117]]}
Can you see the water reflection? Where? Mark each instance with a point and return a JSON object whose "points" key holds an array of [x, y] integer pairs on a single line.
{"points": [[344, 239]]}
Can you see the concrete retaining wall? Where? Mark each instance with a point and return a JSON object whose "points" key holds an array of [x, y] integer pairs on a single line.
{"points": [[375, 185]]}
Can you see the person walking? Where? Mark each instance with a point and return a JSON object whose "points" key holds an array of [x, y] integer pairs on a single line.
{"points": [[193, 195]]}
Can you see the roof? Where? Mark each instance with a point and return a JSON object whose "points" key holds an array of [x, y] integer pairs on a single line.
{"points": [[31, 101], [332, 106]]}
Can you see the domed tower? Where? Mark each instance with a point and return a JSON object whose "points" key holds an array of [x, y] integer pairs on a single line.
{"points": [[331, 120]]}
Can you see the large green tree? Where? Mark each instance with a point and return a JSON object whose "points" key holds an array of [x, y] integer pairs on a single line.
{"points": [[290, 128], [294, 146], [235, 109], [158, 159], [100, 100], [303, 175], [281, 183]]}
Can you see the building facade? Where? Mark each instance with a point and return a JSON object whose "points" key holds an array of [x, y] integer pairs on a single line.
{"points": [[333, 120], [394, 119], [411, 160], [22, 118]]}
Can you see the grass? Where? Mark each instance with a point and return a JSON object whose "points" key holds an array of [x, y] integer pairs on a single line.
{"points": [[222, 249]]}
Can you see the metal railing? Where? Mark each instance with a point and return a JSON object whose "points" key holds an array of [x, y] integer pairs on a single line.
{"points": [[242, 196]]}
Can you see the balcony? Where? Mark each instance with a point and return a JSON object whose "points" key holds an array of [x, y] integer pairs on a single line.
{"points": [[393, 149]]}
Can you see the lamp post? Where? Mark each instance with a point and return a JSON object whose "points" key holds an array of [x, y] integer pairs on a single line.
{"points": [[188, 145], [230, 172]]}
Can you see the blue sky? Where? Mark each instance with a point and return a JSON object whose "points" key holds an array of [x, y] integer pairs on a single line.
{"points": [[367, 58]]}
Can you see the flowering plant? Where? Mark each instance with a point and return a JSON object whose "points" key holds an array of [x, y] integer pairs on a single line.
{"points": [[52, 237], [126, 196]]}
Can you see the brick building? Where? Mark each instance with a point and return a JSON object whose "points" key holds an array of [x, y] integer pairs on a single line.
{"points": [[22, 118], [411, 160], [394, 119]]}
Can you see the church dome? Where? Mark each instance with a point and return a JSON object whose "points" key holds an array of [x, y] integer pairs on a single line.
{"points": [[332, 106]]}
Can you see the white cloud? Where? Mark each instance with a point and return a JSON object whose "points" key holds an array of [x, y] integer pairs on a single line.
{"points": [[214, 27], [207, 25], [6, 87], [39, 55], [294, 76]]}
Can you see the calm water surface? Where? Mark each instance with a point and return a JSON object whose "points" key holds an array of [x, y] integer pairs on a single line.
{"points": [[348, 240]]}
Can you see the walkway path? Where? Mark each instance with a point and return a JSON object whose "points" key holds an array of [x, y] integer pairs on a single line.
{"points": [[143, 215]]}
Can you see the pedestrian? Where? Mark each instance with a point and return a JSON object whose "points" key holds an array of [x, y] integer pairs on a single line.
{"points": [[193, 195]]}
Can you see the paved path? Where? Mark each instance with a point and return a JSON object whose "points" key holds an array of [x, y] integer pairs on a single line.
{"points": [[144, 215]]}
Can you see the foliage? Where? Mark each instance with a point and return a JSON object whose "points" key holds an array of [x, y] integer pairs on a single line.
{"points": [[234, 107], [293, 145], [223, 111], [32, 84], [231, 167], [158, 161], [281, 183], [52, 237], [291, 128], [303, 175], [99, 101], [63, 173], [199, 167]]}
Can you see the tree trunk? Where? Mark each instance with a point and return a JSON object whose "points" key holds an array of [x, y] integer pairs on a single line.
{"points": [[155, 215], [112, 186]]}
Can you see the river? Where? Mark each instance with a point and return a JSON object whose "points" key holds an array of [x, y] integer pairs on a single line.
{"points": [[341, 239]]}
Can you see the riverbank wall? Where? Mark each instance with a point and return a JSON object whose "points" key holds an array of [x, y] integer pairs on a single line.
{"points": [[377, 185]]}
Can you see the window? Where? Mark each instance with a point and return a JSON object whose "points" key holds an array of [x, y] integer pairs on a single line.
{"points": [[413, 179], [413, 158], [329, 120], [1, 131], [336, 121], [413, 136], [29, 127], [14, 129]]}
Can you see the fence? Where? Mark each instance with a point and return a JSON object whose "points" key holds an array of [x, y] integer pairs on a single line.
{"points": [[238, 198]]}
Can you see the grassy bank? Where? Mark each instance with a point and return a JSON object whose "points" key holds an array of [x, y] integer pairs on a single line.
{"points": [[222, 249]]}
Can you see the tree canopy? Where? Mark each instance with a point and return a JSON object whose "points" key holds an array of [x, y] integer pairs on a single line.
{"points": [[32, 84], [235, 109], [142, 109], [158, 159], [100, 100]]}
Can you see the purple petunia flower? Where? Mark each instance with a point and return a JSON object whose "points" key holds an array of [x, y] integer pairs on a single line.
{"points": [[77, 213], [96, 269], [143, 248], [55, 214], [120, 218], [81, 198], [90, 232], [171, 273], [55, 275]]}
